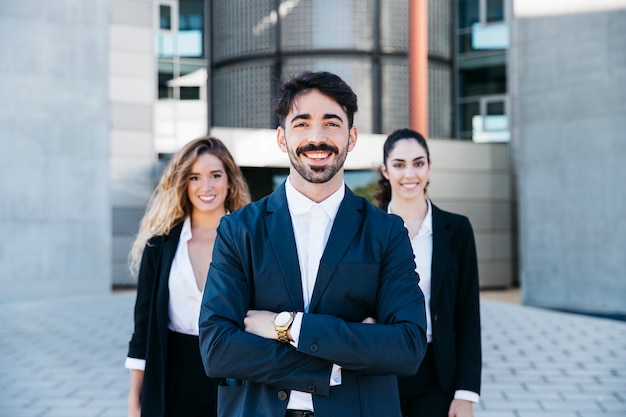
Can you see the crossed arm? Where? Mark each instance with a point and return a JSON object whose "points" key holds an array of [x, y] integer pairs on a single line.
{"points": [[237, 338]]}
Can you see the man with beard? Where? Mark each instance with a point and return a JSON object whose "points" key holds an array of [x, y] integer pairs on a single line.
{"points": [[310, 306]]}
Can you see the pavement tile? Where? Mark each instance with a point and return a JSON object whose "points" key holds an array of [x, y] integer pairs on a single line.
{"points": [[537, 363]]}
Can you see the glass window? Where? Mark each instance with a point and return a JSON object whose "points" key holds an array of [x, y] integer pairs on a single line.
{"points": [[191, 29], [469, 13], [495, 117], [165, 17], [495, 11], [190, 93], [473, 12], [467, 112], [166, 73], [482, 81]]}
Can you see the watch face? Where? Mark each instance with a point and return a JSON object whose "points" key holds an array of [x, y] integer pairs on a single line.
{"points": [[282, 318]]}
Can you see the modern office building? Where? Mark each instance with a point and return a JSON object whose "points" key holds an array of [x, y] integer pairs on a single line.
{"points": [[251, 45], [517, 91]]}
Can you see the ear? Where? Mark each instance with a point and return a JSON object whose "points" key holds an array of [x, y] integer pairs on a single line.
{"points": [[280, 139], [352, 138], [383, 170]]}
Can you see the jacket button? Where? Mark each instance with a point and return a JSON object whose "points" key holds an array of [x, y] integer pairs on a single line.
{"points": [[311, 389], [282, 395], [314, 348]]}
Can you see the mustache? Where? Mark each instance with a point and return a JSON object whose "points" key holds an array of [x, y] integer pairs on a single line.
{"points": [[311, 147]]}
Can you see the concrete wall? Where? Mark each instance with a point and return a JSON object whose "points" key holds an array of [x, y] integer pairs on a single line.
{"points": [[54, 138], [467, 178], [132, 90], [568, 77], [475, 180]]}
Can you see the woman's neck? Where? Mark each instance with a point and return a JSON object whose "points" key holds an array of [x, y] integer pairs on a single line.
{"points": [[411, 211], [206, 219]]}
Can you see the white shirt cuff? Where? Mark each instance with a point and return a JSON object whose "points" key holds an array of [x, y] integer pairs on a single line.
{"points": [[296, 325], [335, 376], [466, 395], [134, 363]]}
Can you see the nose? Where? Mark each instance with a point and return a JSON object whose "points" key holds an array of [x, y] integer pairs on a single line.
{"points": [[207, 183], [410, 171], [317, 135]]}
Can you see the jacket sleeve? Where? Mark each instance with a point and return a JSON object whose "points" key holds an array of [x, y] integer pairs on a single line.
{"points": [[227, 350], [146, 283], [397, 343], [467, 312]]}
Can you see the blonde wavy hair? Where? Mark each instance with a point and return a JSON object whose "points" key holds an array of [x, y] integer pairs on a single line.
{"points": [[169, 204]]}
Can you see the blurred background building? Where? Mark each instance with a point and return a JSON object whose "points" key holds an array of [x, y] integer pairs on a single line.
{"points": [[525, 122]]}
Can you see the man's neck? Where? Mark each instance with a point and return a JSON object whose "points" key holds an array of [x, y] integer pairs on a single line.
{"points": [[317, 192]]}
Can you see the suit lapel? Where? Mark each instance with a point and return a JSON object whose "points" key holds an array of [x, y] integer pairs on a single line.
{"points": [[169, 247], [282, 238], [170, 244], [441, 239], [347, 223]]}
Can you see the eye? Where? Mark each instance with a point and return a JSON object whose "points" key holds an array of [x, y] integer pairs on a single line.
{"points": [[420, 164], [216, 176], [397, 165], [194, 178], [334, 124]]}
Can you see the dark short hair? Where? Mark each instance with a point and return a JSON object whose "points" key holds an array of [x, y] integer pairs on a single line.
{"points": [[326, 83]]}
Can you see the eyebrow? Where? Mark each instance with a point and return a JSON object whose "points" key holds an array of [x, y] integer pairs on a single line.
{"points": [[212, 172], [414, 159], [307, 116]]}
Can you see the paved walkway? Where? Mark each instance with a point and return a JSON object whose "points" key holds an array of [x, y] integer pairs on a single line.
{"points": [[64, 358]]}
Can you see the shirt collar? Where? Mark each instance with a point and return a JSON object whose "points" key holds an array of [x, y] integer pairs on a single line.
{"points": [[427, 223], [300, 204], [185, 233]]}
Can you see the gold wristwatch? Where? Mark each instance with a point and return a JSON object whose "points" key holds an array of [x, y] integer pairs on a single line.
{"points": [[282, 323]]}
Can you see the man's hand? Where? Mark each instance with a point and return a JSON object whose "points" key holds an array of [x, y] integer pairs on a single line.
{"points": [[461, 408], [260, 323]]}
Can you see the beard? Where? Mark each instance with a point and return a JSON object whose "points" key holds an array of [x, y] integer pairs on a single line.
{"points": [[318, 174]]}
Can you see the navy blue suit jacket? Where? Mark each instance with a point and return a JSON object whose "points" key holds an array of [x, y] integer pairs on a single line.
{"points": [[366, 270]]}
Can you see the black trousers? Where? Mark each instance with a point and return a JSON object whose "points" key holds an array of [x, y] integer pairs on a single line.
{"points": [[188, 391], [421, 395]]}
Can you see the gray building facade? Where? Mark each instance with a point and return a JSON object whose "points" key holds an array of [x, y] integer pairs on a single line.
{"points": [[567, 78], [55, 209]]}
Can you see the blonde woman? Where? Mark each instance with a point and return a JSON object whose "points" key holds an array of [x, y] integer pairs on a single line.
{"points": [[171, 258]]}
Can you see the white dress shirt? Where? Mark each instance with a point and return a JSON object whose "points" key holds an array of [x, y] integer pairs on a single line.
{"points": [[312, 223], [185, 297], [422, 245]]}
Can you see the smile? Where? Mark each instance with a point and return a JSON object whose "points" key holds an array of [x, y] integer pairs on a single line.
{"points": [[317, 155], [206, 199]]}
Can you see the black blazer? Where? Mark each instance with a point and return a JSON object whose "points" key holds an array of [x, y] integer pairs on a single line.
{"points": [[149, 340], [454, 303]]}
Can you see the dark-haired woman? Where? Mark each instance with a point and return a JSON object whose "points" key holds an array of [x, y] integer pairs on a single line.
{"points": [[448, 381]]}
